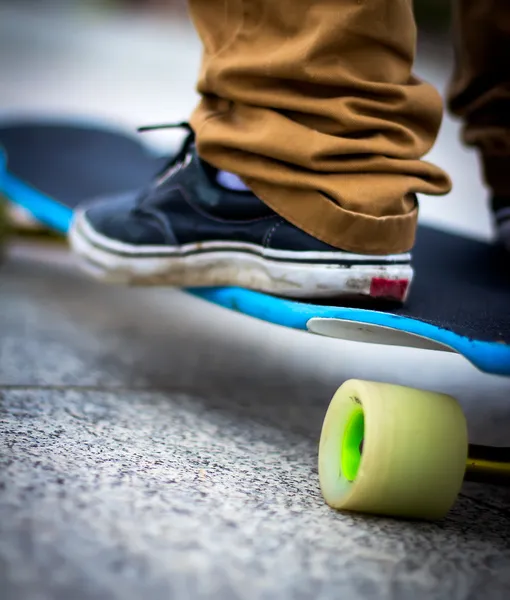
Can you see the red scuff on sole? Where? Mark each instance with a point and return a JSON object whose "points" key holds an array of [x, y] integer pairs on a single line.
{"points": [[389, 289]]}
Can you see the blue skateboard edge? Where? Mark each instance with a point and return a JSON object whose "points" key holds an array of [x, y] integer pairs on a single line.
{"points": [[489, 357]]}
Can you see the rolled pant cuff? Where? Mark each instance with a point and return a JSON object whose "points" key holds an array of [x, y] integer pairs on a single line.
{"points": [[327, 221]]}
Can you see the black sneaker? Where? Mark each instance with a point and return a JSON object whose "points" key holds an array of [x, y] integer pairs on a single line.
{"points": [[186, 230], [501, 210]]}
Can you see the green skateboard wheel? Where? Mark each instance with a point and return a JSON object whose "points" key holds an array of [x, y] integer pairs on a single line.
{"points": [[391, 450]]}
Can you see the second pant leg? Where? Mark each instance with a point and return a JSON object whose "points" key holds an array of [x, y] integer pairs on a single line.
{"points": [[480, 88]]}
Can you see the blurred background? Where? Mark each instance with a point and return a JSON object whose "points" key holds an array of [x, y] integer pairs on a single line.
{"points": [[431, 14]]}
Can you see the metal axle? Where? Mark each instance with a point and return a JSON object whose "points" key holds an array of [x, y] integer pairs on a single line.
{"points": [[488, 464]]}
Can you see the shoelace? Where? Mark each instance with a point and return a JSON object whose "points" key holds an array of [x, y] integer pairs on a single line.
{"points": [[180, 124], [180, 157], [175, 162]]}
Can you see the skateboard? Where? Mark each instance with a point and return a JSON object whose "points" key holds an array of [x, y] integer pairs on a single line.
{"points": [[384, 449], [45, 158]]}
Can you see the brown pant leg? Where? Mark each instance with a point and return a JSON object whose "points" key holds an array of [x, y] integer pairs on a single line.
{"points": [[315, 105], [480, 90]]}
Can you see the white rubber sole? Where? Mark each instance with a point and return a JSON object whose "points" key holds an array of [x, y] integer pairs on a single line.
{"points": [[314, 275]]}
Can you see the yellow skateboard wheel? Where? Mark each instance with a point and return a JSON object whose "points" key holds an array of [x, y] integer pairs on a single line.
{"points": [[391, 450]]}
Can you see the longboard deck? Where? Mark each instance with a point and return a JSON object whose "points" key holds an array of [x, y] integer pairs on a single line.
{"points": [[460, 297], [64, 165]]}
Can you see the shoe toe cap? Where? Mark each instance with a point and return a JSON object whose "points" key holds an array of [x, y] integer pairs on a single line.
{"points": [[116, 218]]}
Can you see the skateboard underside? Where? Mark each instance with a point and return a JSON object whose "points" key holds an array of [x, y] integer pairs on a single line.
{"points": [[460, 298]]}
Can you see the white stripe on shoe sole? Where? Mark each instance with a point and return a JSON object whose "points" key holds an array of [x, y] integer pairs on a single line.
{"points": [[285, 273]]}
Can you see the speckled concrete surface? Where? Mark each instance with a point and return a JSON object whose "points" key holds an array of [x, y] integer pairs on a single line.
{"points": [[147, 451]]}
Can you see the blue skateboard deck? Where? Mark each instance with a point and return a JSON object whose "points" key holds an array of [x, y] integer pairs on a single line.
{"points": [[459, 301]]}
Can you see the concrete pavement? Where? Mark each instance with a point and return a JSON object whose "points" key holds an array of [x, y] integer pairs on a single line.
{"points": [[155, 446]]}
